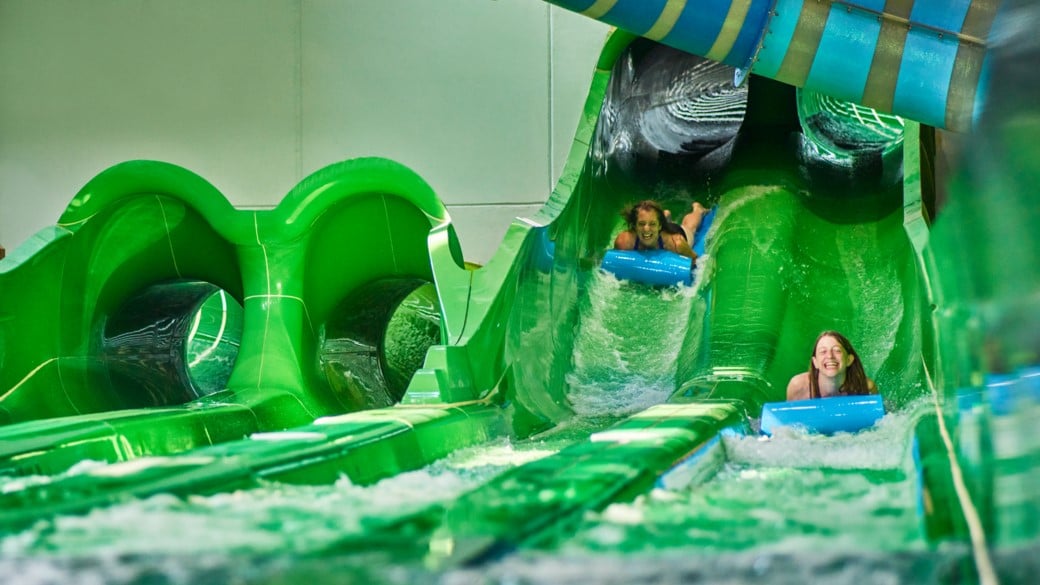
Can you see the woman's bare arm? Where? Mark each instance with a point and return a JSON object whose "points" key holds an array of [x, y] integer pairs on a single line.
{"points": [[798, 387], [626, 240], [678, 244]]}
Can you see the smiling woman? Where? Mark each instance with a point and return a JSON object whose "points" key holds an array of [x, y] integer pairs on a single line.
{"points": [[649, 228], [834, 370]]}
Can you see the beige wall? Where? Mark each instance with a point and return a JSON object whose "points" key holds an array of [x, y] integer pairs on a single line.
{"points": [[480, 97]]}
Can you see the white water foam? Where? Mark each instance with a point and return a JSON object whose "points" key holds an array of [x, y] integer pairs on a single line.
{"points": [[626, 346], [274, 518]]}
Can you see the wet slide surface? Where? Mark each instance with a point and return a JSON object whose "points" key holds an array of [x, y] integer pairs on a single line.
{"points": [[542, 424], [795, 248]]}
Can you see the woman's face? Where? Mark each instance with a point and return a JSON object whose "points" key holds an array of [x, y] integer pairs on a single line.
{"points": [[830, 357], [648, 227]]}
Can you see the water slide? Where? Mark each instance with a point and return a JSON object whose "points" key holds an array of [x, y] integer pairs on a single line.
{"points": [[158, 341], [921, 59]]}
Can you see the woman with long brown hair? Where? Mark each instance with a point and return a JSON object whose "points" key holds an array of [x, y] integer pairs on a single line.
{"points": [[650, 228], [834, 370]]}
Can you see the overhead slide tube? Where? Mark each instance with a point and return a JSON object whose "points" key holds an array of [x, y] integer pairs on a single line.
{"points": [[728, 31], [920, 59]]}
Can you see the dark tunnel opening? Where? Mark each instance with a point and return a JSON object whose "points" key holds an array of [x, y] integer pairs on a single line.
{"points": [[172, 342], [376, 339]]}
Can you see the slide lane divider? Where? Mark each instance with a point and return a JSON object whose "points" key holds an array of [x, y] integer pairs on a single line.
{"points": [[543, 500], [365, 446]]}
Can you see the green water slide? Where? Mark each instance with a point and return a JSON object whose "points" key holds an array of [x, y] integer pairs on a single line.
{"points": [[122, 323], [159, 341]]}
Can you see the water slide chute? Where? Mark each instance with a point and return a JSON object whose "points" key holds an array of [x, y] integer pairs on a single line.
{"points": [[501, 368], [507, 338]]}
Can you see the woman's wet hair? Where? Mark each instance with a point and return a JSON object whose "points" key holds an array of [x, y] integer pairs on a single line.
{"points": [[668, 226], [855, 383]]}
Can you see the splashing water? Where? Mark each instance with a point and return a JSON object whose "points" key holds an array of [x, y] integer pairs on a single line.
{"points": [[627, 345], [276, 518], [789, 493]]}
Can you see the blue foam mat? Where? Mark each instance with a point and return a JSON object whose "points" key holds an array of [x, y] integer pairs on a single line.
{"points": [[841, 414]]}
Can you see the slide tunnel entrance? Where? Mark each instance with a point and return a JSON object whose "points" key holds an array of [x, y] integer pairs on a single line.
{"points": [[172, 342], [176, 341], [376, 339]]}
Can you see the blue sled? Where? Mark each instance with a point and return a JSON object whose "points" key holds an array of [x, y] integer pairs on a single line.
{"points": [[700, 236], [841, 414], [656, 267]]}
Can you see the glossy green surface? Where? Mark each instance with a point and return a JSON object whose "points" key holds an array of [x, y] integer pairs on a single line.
{"points": [[121, 301], [357, 272]]}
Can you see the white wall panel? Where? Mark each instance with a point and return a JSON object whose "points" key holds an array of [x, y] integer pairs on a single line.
{"points": [[206, 85], [480, 97]]}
